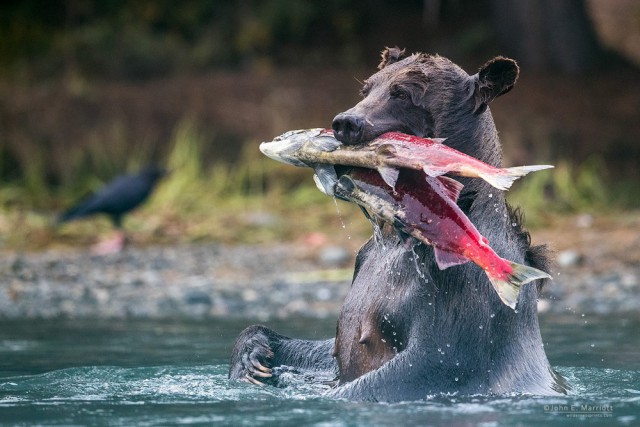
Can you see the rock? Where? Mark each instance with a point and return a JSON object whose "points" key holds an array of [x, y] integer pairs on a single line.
{"points": [[543, 306], [569, 258], [242, 281], [584, 221], [262, 219], [334, 256], [323, 294], [197, 297]]}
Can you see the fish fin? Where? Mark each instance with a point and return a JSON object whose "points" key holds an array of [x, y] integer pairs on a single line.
{"points": [[389, 175], [438, 140], [446, 259], [366, 213], [325, 179], [509, 289], [433, 172], [319, 185], [346, 184], [523, 170], [386, 150], [503, 180], [449, 186], [407, 239]]}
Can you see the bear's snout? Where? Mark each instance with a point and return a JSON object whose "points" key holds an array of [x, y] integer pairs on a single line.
{"points": [[348, 128]]}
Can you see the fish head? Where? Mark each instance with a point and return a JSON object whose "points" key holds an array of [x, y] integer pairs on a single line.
{"points": [[291, 146], [345, 189], [346, 184]]}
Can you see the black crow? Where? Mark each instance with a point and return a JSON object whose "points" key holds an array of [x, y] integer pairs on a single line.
{"points": [[117, 198]]}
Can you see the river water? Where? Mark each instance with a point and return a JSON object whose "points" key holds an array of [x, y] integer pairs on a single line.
{"points": [[126, 373]]}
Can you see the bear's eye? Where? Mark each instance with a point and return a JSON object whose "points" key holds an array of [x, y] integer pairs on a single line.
{"points": [[399, 93], [365, 89]]}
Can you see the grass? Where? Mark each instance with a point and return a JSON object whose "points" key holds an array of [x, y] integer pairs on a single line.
{"points": [[253, 200], [566, 189]]}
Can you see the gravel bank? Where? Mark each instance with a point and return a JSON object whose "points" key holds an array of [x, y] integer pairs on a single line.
{"points": [[262, 282], [183, 281]]}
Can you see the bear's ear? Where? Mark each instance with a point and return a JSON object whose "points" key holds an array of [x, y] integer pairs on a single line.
{"points": [[390, 55], [495, 78]]}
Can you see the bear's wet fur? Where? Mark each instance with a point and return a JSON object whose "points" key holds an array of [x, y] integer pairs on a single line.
{"points": [[407, 329]]}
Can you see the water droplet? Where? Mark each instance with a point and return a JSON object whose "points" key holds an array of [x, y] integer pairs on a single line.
{"points": [[513, 224], [456, 379], [492, 315], [593, 345], [457, 363], [410, 365], [490, 195], [481, 327], [439, 350], [448, 345], [383, 340]]}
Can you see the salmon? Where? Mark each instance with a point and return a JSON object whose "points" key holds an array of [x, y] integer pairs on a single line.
{"points": [[387, 154], [429, 213]]}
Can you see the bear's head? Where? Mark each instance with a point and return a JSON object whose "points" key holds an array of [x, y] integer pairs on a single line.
{"points": [[423, 95]]}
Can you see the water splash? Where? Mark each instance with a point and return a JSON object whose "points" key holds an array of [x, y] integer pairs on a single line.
{"points": [[335, 202], [378, 237], [202, 394], [418, 268]]}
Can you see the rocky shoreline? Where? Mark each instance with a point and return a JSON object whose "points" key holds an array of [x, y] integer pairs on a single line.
{"points": [[257, 282], [172, 281]]}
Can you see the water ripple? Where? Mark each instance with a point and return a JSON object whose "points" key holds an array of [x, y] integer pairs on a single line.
{"points": [[203, 395]]}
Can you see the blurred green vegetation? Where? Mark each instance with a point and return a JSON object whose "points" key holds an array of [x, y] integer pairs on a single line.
{"points": [[146, 38], [253, 200], [90, 89], [566, 189]]}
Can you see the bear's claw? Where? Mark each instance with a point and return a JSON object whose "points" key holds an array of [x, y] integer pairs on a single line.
{"points": [[252, 357], [248, 378]]}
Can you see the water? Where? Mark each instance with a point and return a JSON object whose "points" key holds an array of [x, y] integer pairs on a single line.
{"points": [[174, 373]]}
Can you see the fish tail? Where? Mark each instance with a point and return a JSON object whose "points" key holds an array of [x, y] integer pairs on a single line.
{"points": [[508, 289], [503, 180]]}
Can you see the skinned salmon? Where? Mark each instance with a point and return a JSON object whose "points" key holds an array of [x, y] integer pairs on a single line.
{"points": [[387, 154], [429, 213]]}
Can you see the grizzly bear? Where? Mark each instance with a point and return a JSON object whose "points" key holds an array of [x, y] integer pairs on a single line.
{"points": [[407, 329]]}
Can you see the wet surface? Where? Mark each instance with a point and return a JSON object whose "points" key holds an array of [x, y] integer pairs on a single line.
{"points": [[175, 372]]}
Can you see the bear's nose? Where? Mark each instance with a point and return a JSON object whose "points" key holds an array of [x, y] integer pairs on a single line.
{"points": [[348, 128]]}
